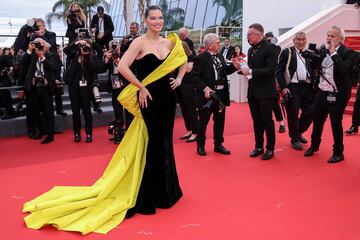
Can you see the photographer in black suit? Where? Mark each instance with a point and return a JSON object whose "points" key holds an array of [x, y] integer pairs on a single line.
{"points": [[209, 73], [295, 77], [262, 61], [183, 35], [23, 38], [127, 40], [103, 27], [334, 92], [227, 51], [37, 77], [75, 19]]}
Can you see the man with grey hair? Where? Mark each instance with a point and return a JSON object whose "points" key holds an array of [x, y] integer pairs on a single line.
{"points": [[333, 93], [295, 78], [183, 35], [37, 77], [209, 73]]}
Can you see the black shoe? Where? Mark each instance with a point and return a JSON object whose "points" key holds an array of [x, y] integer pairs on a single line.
{"points": [[201, 151], [303, 140], [88, 138], [186, 136], [256, 152], [38, 136], [282, 128], [49, 138], [191, 140], [77, 137], [267, 155], [310, 151], [61, 113], [297, 146], [336, 158], [58, 132], [351, 130], [221, 149], [97, 109]]}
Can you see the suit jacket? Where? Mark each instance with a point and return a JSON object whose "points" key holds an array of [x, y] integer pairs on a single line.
{"points": [[203, 74], [108, 27], [262, 59], [110, 67], [72, 26], [281, 66], [230, 52], [22, 40], [29, 67], [191, 46], [343, 63]]}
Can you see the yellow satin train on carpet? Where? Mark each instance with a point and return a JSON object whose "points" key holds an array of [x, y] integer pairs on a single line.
{"points": [[102, 206]]}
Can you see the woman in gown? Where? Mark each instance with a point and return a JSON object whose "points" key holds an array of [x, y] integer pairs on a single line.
{"points": [[141, 175], [160, 185]]}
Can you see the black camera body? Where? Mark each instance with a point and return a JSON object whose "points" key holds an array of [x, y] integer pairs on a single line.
{"points": [[33, 28], [114, 52], [82, 33], [39, 81], [215, 100], [37, 44], [315, 55]]}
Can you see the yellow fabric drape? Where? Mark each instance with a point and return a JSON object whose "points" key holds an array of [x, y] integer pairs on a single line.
{"points": [[102, 206]]}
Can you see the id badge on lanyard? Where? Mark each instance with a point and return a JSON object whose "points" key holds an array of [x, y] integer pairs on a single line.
{"points": [[83, 83], [116, 81]]}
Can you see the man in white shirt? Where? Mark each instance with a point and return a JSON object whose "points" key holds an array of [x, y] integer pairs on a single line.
{"points": [[333, 94]]}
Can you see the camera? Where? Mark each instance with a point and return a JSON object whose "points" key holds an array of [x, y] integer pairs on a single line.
{"points": [[86, 49], [315, 55], [31, 25], [82, 33], [215, 100], [38, 46], [39, 81]]}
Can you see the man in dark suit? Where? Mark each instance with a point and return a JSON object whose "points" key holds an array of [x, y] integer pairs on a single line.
{"points": [[183, 35], [333, 94], [37, 77], [227, 51], [295, 76], [103, 26], [262, 60], [209, 73]]}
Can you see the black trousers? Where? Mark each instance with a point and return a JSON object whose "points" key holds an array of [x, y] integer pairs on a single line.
{"points": [[302, 99], [6, 101], [356, 110], [261, 113], [219, 122], [335, 110], [187, 103], [58, 99], [40, 109], [80, 98], [121, 114]]}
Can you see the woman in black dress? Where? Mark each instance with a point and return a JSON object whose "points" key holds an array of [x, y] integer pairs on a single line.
{"points": [[160, 186]]}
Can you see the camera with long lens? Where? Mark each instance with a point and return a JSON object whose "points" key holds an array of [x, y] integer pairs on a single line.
{"points": [[86, 49], [315, 55], [214, 101], [38, 46], [96, 92], [82, 33]]}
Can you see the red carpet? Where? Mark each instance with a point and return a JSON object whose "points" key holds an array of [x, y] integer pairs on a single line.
{"points": [[225, 197]]}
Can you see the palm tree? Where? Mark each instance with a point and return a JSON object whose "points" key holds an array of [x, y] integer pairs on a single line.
{"points": [[141, 10], [233, 12], [174, 17], [60, 9]]}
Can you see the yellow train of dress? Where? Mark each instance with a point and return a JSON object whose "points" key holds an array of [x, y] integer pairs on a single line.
{"points": [[102, 206]]}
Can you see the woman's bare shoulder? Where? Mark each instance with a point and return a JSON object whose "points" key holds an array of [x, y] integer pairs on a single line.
{"points": [[169, 44]]}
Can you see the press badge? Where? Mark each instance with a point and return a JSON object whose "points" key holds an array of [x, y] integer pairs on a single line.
{"points": [[331, 98], [83, 83], [116, 82]]}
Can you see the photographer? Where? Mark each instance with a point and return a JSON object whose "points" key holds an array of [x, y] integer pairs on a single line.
{"points": [[334, 92], [23, 38], [210, 75], [81, 76], [127, 40], [115, 84], [37, 77], [103, 27], [6, 63], [75, 19], [295, 77]]}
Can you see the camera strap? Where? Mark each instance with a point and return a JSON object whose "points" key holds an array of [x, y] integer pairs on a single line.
{"points": [[332, 85], [39, 68]]}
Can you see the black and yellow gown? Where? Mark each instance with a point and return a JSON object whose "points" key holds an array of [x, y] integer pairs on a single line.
{"points": [[141, 175]]}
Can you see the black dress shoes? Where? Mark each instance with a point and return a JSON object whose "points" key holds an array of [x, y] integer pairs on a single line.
{"points": [[282, 128], [256, 152], [77, 137], [303, 140], [49, 138], [191, 140], [310, 151], [267, 155], [186, 136], [353, 129], [297, 146], [221, 149], [201, 151], [336, 158], [88, 138], [61, 113], [39, 136]]}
